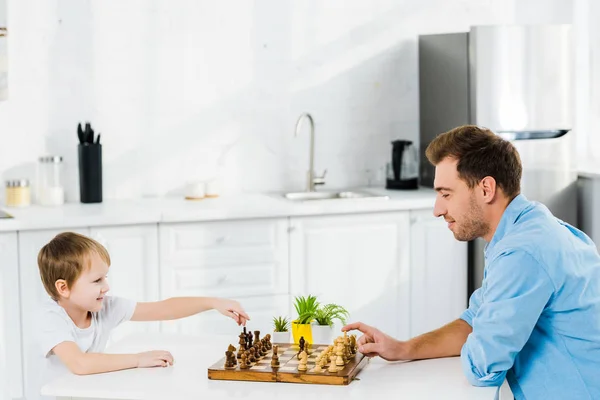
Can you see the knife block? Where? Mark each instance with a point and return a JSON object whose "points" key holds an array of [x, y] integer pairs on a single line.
{"points": [[90, 172]]}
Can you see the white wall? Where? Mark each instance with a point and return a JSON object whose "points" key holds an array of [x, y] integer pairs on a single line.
{"points": [[189, 89]]}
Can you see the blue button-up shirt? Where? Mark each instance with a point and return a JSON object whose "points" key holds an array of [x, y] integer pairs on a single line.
{"points": [[536, 318]]}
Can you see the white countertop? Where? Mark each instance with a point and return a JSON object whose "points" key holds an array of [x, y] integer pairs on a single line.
{"points": [[187, 378], [241, 206]]}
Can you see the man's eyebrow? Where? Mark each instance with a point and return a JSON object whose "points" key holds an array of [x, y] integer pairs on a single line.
{"points": [[440, 188]]}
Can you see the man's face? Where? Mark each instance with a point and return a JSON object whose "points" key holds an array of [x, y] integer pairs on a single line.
{"points": [[457, 203], [90, 287]]}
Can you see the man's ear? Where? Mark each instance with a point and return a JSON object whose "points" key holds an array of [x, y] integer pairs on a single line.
{"points": [[62, 288], [488, 187]]}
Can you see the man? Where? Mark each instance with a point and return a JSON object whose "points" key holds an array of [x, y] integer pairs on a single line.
{"points": [[536, 318]]}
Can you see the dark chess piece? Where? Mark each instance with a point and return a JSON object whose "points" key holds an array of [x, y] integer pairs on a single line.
{"points": [[243, 363], [275, 359], [242, 345], [256, 336], [252, 359], [301, 344], [229, 360], [249, 339]]}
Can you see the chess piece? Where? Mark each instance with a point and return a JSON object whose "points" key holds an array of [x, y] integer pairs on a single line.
{"points": [[229, 360], [303, 361], [243, 362], [249, 339], [268, 340], [242, 343], [231, 348], [347, 350], [318, 367], [301, 343], [256, 336], [332, 366], [339, 359], [275, 359], [353, 344], [252, 357]]}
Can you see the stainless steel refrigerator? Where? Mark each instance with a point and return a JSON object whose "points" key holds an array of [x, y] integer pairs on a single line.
{"points": [[517, 81]]}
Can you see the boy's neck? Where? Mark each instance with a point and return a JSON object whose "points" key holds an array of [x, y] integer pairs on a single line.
{"points": [[81, 318]]}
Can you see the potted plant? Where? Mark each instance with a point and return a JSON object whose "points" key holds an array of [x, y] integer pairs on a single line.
{"points": [[306, 308], [281, 333], [322, 328]]}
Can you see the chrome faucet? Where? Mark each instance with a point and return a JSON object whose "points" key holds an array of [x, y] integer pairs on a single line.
{"points": [[311, 179]]}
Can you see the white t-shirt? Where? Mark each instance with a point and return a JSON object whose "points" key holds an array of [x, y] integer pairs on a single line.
{"points": [[55, 327]]}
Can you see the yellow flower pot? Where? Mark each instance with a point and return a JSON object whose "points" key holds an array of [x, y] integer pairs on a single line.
{"points": [[299, 330]]}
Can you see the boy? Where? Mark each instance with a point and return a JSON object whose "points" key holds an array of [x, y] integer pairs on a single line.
{"points": [[76, 322]]}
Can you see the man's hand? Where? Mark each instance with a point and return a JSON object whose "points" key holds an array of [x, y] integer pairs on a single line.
{"points": [[373, 343], [232, 309], [154, 358]]}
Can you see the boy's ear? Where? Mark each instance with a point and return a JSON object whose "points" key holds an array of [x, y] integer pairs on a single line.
{"points": [[62, 288]]}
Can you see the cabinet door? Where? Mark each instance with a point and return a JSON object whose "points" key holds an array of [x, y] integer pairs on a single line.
{"points": [[32, 293], [11, 358], [438, 273], [133, 272], [357, 261]]}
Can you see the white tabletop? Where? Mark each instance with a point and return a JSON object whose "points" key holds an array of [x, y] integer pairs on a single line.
{"points": [[187, 378]]}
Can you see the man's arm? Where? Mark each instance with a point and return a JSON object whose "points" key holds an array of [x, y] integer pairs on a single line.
{"points": [[81, 363], [180, 307], [446, 341], [517, 291]]}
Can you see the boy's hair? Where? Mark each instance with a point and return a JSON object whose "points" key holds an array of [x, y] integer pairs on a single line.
{"points": [[479, 153], [65, 257]]}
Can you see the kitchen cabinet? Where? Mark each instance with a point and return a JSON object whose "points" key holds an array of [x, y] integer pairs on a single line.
{"points": [[133, 272], [11, 360], [438, 278], [3, 52], [359, 261], [245, 259]]}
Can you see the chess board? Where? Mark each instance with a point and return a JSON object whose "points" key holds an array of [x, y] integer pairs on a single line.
{"points": [[288, 372]]}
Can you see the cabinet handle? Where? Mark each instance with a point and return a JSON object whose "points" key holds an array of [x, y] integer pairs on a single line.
{"points": [[3, 31]]}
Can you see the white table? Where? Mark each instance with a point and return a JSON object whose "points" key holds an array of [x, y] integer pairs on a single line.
{"points": [[187, 378]]}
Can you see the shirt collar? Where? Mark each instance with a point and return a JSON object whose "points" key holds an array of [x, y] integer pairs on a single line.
{"points": [[514, 209]]}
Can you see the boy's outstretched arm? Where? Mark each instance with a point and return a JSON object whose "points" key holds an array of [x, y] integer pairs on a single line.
{"points": [[180, 307], [81, 363]]}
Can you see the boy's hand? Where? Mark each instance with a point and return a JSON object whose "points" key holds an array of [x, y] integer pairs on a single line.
{"points": [[232, 309], [154, 358]]}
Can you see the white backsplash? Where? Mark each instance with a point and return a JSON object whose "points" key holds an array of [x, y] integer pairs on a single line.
{"points": [[189, 90]]}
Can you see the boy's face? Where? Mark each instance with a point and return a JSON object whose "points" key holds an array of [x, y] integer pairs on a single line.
{"points": [[90, 287]]}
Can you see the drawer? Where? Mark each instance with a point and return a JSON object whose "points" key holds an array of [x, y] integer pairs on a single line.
{"points": [[226, 281], [218, 243], [261, 309]]}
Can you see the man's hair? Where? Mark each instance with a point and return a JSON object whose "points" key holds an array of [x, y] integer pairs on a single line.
{"points": [[479, 153], [65, 257]]}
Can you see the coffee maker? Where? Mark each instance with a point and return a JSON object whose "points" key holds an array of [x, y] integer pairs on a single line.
{"points": [[403, 171]]}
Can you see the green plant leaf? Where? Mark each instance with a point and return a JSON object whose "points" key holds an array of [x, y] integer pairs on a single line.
{"points": [[306, 308], [281, 324], [326, 314]]}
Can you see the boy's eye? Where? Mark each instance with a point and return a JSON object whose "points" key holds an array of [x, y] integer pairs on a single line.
{"points": [[445, 195]]}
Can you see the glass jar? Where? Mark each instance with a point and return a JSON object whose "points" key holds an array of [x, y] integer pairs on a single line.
{"points": [[50, 190], [18, 193]]}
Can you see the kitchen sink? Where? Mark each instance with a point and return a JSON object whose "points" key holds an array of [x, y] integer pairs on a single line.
{"points": [[311, 196]]}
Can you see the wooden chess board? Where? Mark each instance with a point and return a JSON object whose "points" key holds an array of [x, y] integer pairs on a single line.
{"points": [[288, 372]]}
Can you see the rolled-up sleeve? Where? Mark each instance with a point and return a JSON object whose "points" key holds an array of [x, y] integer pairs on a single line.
{"points": [[516, 290]]}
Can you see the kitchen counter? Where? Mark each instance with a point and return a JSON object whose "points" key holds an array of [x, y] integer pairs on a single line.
{"points": [[187, 378], [241, 206]]}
